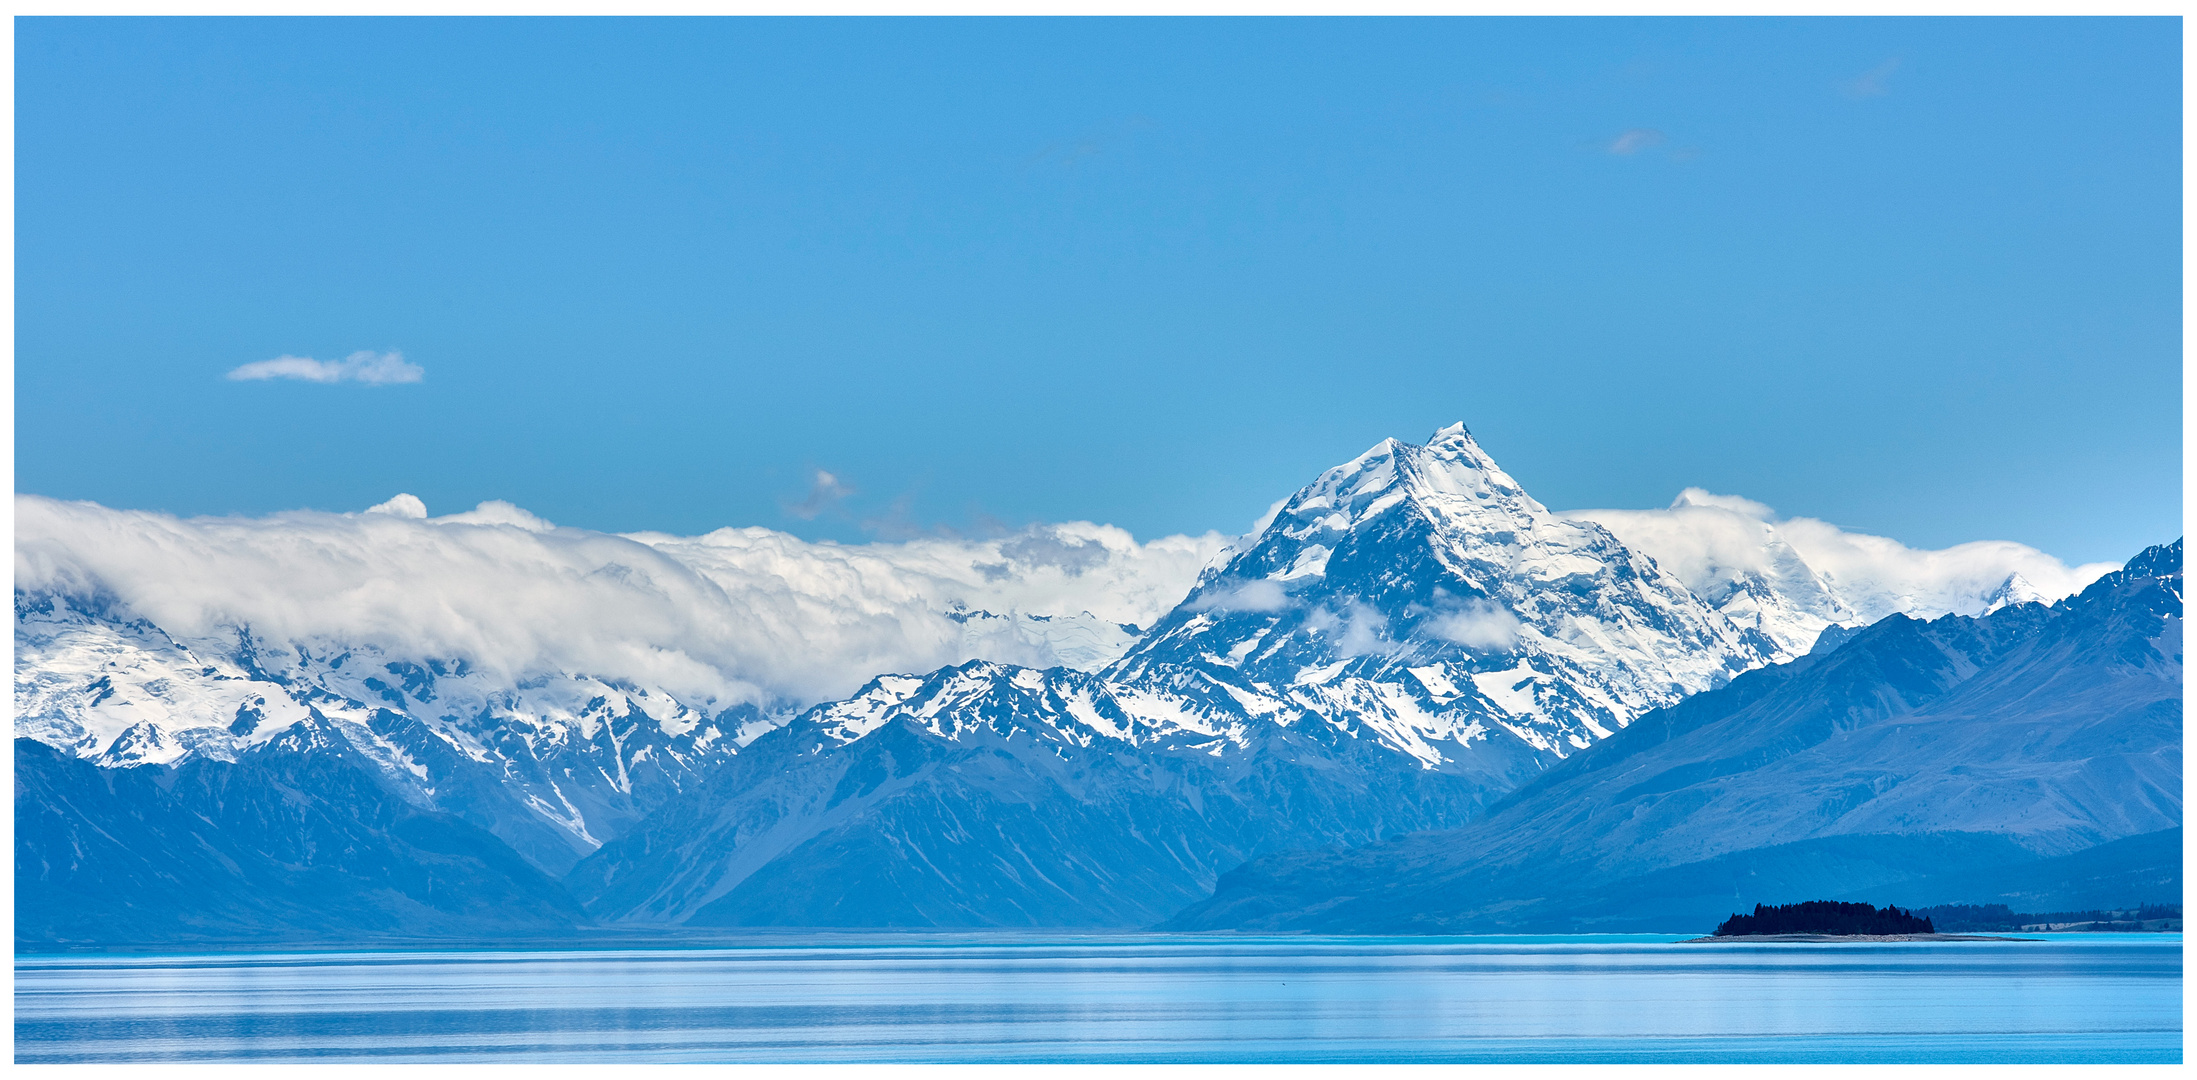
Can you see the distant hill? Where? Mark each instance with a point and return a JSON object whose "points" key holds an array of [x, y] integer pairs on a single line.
{"points": [[295, 840], [1977, 918]]}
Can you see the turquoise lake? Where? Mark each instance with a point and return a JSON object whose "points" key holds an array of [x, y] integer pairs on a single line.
{"points": [[1126, 998]]}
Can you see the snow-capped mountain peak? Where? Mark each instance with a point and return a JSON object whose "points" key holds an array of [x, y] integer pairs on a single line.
{"points": [[2016, 589], [1431, 556]]}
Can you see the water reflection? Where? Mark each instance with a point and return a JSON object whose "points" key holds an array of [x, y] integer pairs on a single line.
{"points": [[1126, 998]]}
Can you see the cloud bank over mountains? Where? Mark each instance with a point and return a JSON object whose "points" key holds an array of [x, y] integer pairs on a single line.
{"points": [[1714, 543], [749, 615], [757, 615]]}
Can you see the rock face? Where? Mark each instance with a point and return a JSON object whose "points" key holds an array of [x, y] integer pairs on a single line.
{"points": [[1410, 637], [2030, 754]]}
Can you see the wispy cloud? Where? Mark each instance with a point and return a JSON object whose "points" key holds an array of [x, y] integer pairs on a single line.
{"points": [[371, 368], [1636, 140], [1875, 82], [826, 492]]}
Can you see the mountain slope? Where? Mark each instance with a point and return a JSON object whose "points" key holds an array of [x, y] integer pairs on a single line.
{"points": [[295, 839], [1960, 750]]}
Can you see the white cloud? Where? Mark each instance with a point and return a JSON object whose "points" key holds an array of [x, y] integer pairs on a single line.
{"points": [[1478, 625], [403, 505], [1257, 595], [738, 614], [1636, 140], [371, 368], [1924, 582], [1712, 542]]}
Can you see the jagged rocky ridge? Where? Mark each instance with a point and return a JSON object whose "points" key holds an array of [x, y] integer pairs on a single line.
{"points": [[2032, 756]]}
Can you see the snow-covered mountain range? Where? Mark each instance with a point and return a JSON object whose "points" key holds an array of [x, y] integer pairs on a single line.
{"points": [[550, 685], [1404, 640], [553, 765]]}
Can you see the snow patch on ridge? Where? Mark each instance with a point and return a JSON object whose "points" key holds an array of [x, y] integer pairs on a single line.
{"points": [[1512, 689]]}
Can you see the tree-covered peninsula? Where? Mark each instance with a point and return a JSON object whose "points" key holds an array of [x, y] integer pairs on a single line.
{"points": [[1824, 917]]}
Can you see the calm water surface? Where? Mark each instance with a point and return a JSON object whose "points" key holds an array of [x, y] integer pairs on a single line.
{"points": [[2091, 997]]}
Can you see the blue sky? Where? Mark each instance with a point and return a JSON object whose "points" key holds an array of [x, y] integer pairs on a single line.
{"points": [[1916, 277]]}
